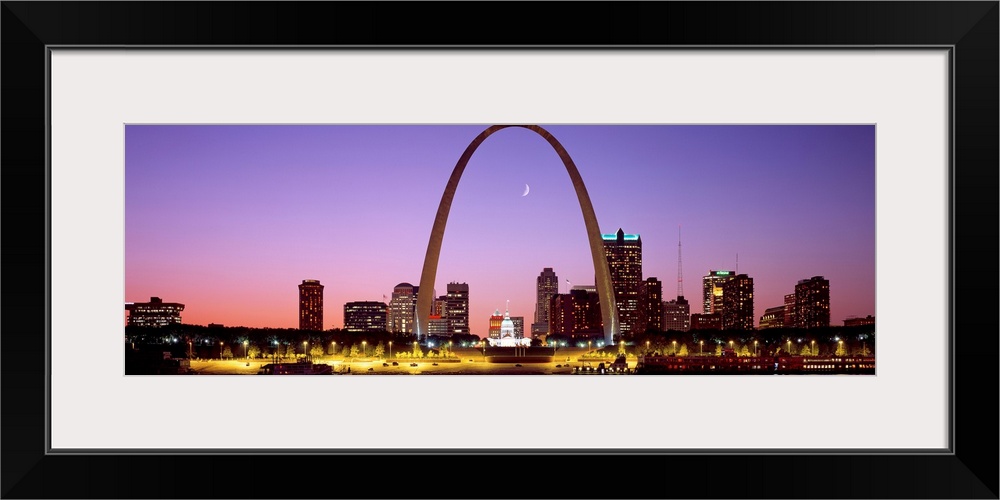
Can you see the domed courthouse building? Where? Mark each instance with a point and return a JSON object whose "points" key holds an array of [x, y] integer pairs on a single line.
{"points": [[507, 336]]}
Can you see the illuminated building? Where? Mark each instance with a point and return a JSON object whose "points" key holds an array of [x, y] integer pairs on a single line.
{"points": [[518, 326], [507, 336], [155, 313], [365, 316], [711, 321], [790, 310], [456, 308], [436, 325], [576, 314], [495, 320], [812, 303], [402, 308], [737, 303], [624, 256], [652, 304], [712, 290], [311, 305], [867, 320], [677, 315], [546, 285], [774, 317]]}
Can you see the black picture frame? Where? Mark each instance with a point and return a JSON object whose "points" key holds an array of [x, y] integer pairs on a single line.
{"points": [[970, 29]]}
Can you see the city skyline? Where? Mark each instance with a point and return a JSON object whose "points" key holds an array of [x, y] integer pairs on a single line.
{"points": [[229, 219]]}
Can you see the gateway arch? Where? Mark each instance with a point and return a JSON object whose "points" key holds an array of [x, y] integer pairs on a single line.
{"points": [[605, 292]]}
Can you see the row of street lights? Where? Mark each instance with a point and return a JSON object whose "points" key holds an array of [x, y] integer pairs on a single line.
{"points": [[364, 345], [701, 345]]}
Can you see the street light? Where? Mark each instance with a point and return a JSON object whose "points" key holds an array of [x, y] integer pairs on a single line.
{"points": [[221, 344], [364, 346], [305, 349], [730, 345], [812, 347], [333, 347], [246, 346], [701, 347], [755, 348], [674, 342], [390, 349], [190, 354], [647, 346]]}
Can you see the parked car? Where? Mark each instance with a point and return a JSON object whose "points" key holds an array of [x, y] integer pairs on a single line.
{"points": [[413, 364], [385, 364], [394, 363]]}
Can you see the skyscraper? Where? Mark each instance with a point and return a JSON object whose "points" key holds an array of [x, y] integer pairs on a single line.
{"points": [[737, 303], [402, 308], [712, 290], [311, 305], [790, 311], [812, 303], [546, 285], [457, 308], [652, 304], [624, 255]]}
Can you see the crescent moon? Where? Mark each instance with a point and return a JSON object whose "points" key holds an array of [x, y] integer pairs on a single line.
{"points": [[526, 189]]}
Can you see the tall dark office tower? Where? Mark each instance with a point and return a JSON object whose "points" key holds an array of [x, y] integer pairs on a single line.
{"points": [[711, 286], [812, 303], [624, 255], [311, 305], [790, 311], [457, 308], [402, 308], [546, 285], [737, 303], [652, 304], [365, 316]]}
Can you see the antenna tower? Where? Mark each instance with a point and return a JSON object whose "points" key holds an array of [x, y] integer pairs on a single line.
{"points": [[680, 274]]}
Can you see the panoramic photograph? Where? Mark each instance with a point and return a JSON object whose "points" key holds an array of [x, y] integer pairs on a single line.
{"points": [[546, 249]]}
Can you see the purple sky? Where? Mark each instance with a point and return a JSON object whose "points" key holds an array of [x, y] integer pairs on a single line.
{"points": [[228, 220]]}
